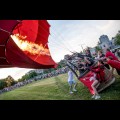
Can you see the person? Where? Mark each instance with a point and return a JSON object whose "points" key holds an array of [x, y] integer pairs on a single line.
{"points": [[88, 61], [71, 81], [118, 53], [112, 57], [101, 56], [81, 67], [94, 85], [99, 70], [95, 56], [88, 53], [109, 53], [115, 64]]}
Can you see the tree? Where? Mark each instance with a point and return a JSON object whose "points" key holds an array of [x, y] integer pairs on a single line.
{"points": [[9, 81], [27, 76], [117, 39], [61, 64], [97, 48], [3, 84]]}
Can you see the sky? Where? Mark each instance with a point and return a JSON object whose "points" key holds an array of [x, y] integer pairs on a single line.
{"points": [[68, 36]]}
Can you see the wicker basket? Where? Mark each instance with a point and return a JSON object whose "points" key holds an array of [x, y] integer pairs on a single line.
{"points": [[109, 79]]}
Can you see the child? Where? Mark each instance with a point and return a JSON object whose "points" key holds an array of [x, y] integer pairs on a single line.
{"points": [[71, 82]]}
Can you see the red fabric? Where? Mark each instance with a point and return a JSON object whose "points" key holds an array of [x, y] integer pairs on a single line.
{"points": [[44, 31], [100, 77], [108, 53], [99, 70], [86, 81], [11, 55], [27, 28], [6, 28], [114, 64]]}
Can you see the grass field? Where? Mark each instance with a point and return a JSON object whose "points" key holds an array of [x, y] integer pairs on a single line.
{"points": [[56, 88]]}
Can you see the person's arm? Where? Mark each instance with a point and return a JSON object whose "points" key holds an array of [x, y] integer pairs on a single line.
{"points": [[96, 70]]}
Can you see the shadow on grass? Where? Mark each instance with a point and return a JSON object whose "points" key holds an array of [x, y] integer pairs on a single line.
{"points": [[82, 91], [113, 91], [114, 86]]}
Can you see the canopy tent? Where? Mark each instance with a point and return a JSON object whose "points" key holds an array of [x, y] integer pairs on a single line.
{"points": [[23, 44]]}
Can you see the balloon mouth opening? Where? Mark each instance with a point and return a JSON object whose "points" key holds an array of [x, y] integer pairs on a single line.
{"points": [[30, 48]]}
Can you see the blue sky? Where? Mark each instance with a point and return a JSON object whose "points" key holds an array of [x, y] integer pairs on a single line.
{"points": [[68, 35]]}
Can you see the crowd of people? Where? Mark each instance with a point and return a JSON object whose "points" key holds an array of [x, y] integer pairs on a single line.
{"points": [[36, 78], [95, 64]]}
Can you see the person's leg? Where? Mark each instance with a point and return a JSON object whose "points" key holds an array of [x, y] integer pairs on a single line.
{"points": [[70, 88], [74, 87], [93, 86], [96, 95]]}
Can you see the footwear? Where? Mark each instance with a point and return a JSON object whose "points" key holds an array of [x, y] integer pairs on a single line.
{"points": [[93, 96], [97, 97], [74, 90], [71, 92]]}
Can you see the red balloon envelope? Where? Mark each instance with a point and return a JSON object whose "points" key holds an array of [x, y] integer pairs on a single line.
{"points": [[23, 43]]}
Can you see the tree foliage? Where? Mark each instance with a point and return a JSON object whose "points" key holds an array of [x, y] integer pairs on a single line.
{"points": [[117, 39], [97, 48], [28, 76], [3, 84], [9, 81]]}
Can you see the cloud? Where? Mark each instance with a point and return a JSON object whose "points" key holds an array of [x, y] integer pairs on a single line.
{"points": [[68, 34], [106, 26], [16, 73], [110, 27]]}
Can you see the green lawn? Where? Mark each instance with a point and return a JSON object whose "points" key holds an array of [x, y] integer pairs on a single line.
{"points": [[56, 88]]}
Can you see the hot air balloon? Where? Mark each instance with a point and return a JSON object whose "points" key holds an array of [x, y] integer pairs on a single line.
{"points": [[24, 44]]}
